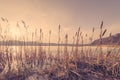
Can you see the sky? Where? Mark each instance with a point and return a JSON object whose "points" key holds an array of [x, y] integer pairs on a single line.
{"points": [[70, 14]]}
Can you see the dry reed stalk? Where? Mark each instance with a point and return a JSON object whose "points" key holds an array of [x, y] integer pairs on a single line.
{"points": [[100, 43], [102, 33], [75, 52], [4, 36], [61, 48], [73, 44], [76, 57], [20, 50], [77, 42], [58, 50], [32, 41], [49, 41], [72, 53], [82, 53], [3, 19], [108, 52], [92, 37], [35, 48], [82, 44], [7, 56], [91, 40], [40, 55], [44, 51], [40, 38], [86, 49], [26, 29], [102, 55], [66, 50], [66, 55], [49, 51]]}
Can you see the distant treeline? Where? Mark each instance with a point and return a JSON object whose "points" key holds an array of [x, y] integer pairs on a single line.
{"points": [[34, 43]]}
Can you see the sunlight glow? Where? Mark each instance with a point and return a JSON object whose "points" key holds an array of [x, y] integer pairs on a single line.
{"points": [[15, 33]]}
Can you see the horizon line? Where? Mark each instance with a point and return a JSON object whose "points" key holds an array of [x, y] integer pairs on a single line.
{"points": [[35, 43]]}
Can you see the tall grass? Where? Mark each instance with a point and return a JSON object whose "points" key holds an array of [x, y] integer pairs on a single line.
{"points": [[71, 64]]}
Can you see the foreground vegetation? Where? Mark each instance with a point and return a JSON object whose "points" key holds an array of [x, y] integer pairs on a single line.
{"points": [[79, 63]]}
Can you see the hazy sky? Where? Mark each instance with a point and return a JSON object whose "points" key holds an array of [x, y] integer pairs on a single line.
{"points": [[71, 14]]}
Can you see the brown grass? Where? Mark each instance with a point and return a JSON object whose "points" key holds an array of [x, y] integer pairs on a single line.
{"points": [[79, 63]]}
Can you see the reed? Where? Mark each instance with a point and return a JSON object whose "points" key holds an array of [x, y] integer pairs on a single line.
{"points": [[72, 52], [66, 55], [77, 42], [49, 41], [58, 50], [100, 43], [75, 63]]}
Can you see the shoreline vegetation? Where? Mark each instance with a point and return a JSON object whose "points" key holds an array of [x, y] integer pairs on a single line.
{"points": [[40, 63]]}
